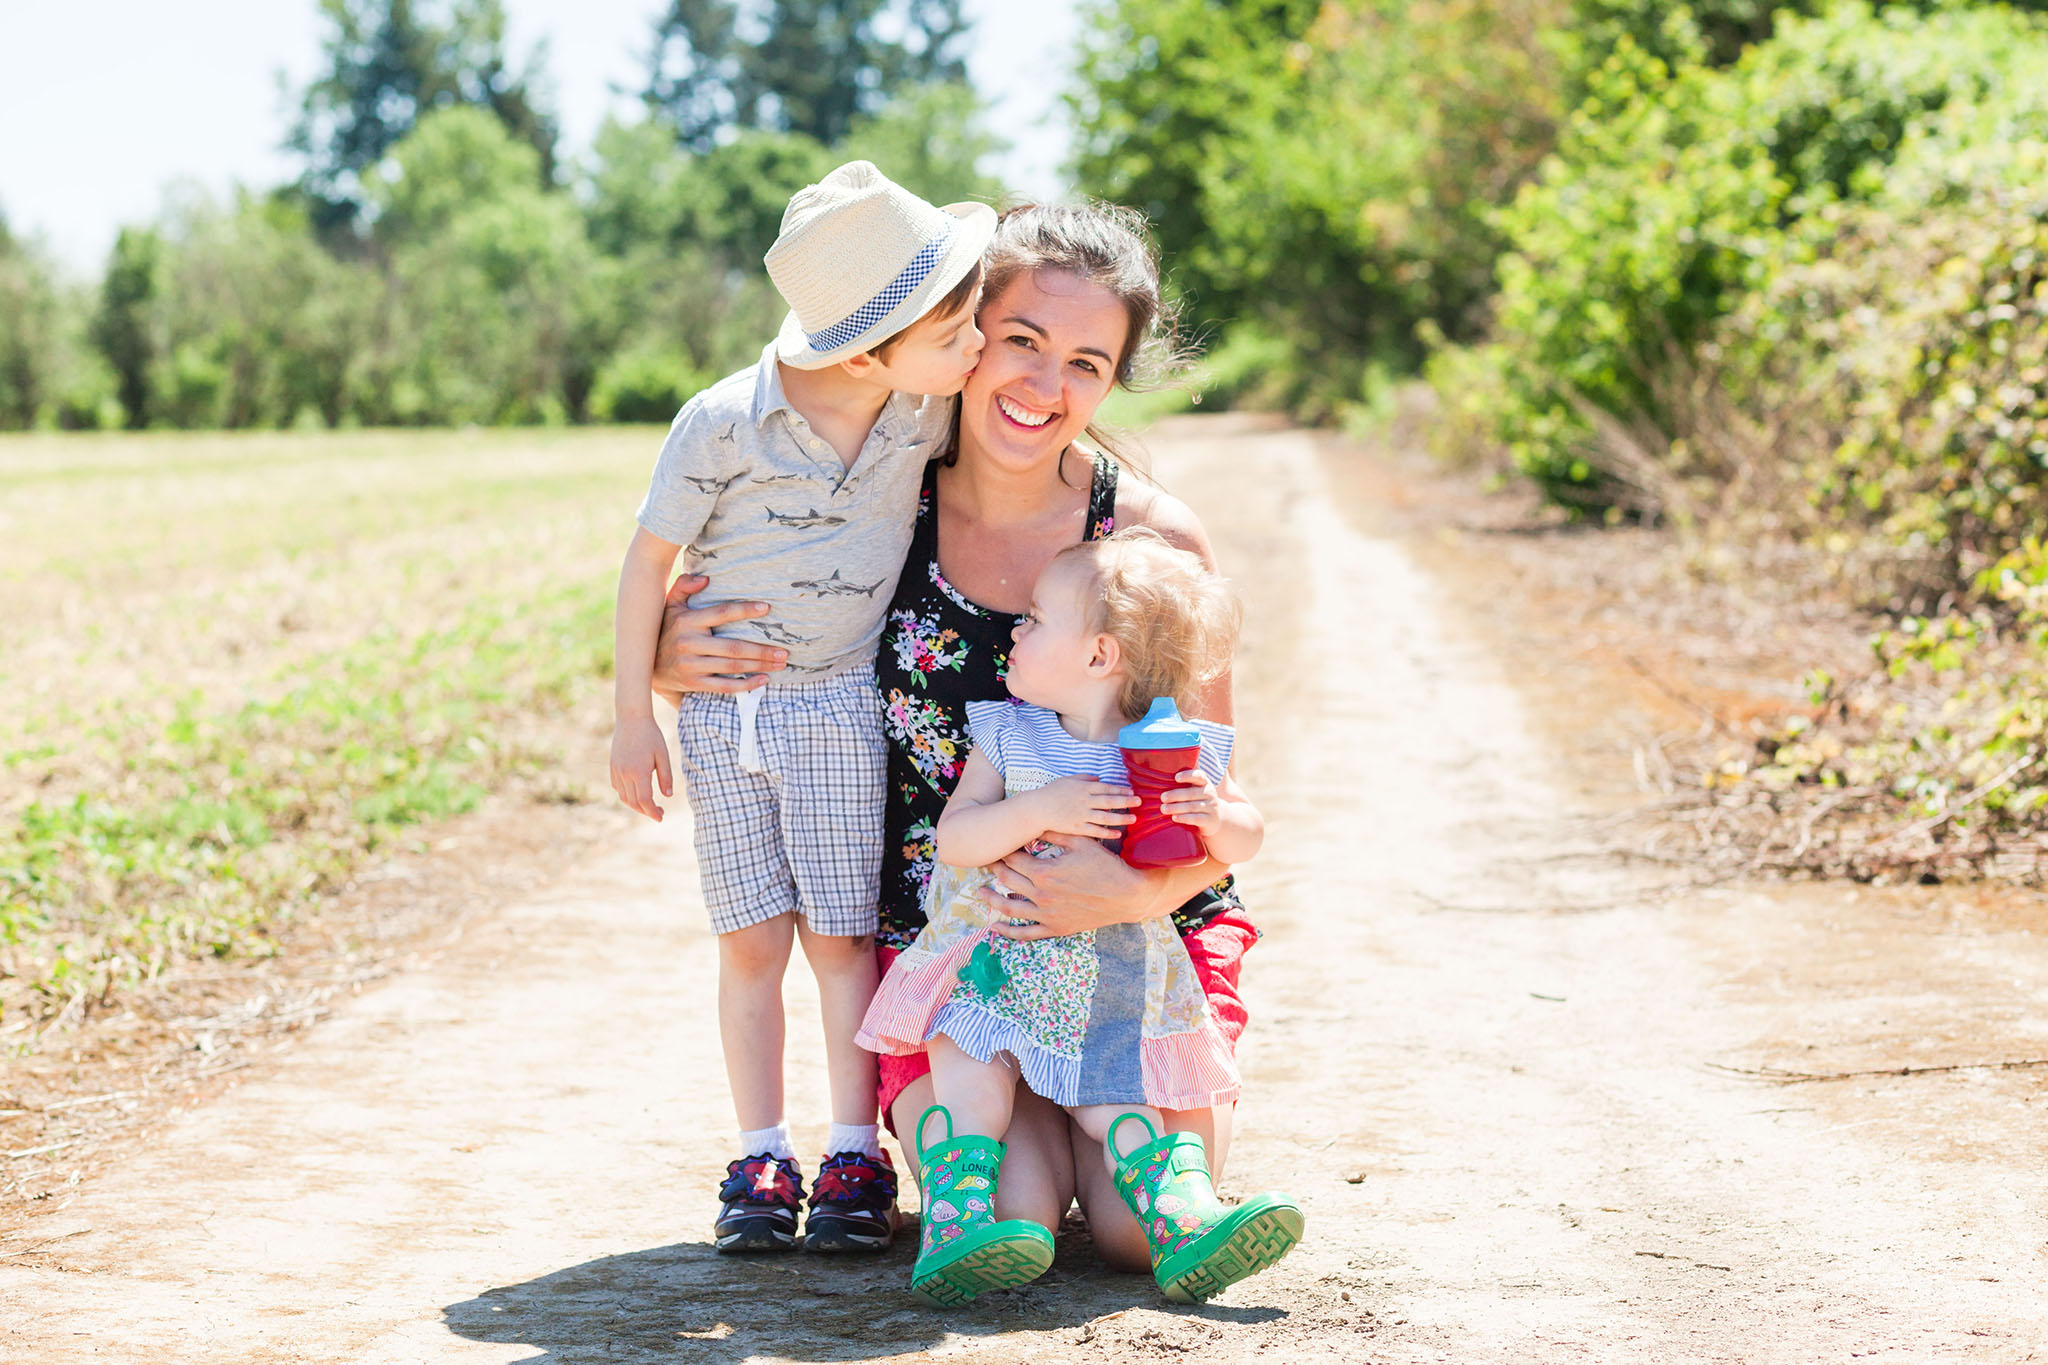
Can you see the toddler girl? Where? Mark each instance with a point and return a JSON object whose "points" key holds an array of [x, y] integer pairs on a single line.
{"points": [[1111, 1023]]}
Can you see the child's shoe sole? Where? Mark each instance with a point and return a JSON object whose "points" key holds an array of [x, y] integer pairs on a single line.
{"points": [[1255, 1236], [1003, 1261], [845, 1236], [756, 1235]]}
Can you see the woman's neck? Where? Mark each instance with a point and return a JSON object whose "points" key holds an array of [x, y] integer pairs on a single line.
{"points": [[993, 496]]}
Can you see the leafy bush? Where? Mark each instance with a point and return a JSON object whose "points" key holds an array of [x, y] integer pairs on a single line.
{"points": [[647, 384], [1321, 175], [1914, 350], [1673, 194]]}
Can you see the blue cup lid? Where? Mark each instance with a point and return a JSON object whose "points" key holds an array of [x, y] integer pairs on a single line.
{"points": [[1162, 728]]}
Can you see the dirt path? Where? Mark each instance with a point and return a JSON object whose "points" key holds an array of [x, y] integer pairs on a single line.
{"points": [[1508, 1047]]}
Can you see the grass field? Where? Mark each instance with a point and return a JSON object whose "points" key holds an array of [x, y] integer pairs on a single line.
{"points": [[236, 666]]}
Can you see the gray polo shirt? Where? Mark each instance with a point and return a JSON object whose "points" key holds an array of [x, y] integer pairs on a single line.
{"points": [[764, 507]]}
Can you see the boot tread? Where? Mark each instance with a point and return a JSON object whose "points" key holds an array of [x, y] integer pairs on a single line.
{"points": [[1264, 1233]]}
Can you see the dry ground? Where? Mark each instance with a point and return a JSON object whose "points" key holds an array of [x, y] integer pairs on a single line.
{"points": [[1502, 1070]]}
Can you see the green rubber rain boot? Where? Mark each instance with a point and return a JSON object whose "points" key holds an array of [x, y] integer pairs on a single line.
{"points": [[962, 1249], [1200, 1245]]}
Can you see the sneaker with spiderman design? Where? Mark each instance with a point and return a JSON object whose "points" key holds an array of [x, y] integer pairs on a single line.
{"points": [[760, 1195], [853, 1204]]}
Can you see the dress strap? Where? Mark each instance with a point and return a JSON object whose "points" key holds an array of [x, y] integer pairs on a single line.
{"points": [[924, 533], [1102, 498]]}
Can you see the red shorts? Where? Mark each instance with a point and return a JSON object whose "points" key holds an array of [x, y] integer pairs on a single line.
{"points": [[1217, 950]]}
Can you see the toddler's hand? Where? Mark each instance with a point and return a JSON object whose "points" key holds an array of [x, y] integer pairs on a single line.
{"points": [[1080, 805], [1194, 803], [639, 750]]}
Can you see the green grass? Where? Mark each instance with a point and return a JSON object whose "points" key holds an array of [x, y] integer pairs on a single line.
{"points": [[239, 666]]}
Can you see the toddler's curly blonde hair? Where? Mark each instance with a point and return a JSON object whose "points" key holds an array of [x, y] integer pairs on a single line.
{"points": [[1175, 620]]}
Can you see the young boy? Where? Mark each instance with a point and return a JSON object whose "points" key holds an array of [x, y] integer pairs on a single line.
{"points": [[795, 482]]}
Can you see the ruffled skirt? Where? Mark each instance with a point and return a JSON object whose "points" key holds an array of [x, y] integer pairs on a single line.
{"points": [[1108, 1016]]}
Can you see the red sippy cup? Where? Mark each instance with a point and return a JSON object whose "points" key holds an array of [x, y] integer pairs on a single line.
{"points": [[1155, 750]]}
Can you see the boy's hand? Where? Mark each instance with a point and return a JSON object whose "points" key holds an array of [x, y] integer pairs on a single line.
{"points": [[1194, 803], [638, 749], [1080, 805]]}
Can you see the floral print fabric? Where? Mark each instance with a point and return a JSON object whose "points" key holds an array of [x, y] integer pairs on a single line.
{"points": [[940, 651], [1078, 1012]]}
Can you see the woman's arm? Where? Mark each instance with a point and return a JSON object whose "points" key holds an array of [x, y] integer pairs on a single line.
{"points": [[689, 658], [1087, 887]]}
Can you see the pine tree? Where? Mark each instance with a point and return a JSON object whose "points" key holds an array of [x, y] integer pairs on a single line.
{"points": [[800, 66], [121, 328], [388, 63]]}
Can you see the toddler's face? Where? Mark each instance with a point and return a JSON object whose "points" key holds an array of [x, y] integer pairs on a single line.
{"points": [[934, 355], [1052, 646]]}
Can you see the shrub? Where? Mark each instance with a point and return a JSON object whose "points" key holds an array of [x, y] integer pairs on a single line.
{"points": [[1915, 349], [645, 384], [1674, 193]]}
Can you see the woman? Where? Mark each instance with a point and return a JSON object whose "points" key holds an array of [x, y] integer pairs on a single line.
{"points": [[1071, 301]]}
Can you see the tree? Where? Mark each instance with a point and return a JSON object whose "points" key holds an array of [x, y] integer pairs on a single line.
{"points": [[1701, 32], [799, 66], [934, 140], [259, 324], [493, 287], [121, 329], [28, 327], [1163, 86], [389, 62]]}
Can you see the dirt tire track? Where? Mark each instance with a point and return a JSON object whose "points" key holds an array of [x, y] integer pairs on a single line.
{"points": [[1493, 1100]]}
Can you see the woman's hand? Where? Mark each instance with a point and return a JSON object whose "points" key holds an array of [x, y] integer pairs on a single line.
{"points": [[1086, 887], [689, 658]]}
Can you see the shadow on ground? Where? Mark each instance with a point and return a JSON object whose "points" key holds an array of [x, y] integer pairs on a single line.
{"points": [[685, 1301]]}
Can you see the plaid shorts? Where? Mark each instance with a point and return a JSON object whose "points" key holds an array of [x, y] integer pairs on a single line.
{"points": [[805, 832]]}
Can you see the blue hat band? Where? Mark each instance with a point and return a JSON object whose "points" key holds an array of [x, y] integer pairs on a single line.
{"points": [[881, 305]]}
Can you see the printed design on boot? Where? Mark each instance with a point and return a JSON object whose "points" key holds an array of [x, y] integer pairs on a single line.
{"points": [[965, 1250], [1200, 1246], [945, 1218], [1169, 1220]]}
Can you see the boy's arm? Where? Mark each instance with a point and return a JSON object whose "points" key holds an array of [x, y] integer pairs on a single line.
{"points": [[639, 750], [981, 825]]}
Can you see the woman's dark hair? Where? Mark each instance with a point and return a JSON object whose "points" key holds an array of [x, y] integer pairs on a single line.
{"points": [[1103, 244]]}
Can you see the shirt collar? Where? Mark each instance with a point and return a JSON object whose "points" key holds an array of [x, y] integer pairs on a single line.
{"points": [[769, 397]]}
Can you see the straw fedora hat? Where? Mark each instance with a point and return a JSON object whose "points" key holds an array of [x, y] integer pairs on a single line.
{"points": [[860, 258]]}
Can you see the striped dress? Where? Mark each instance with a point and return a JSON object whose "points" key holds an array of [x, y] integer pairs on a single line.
{"points": [[1114, 1015]]}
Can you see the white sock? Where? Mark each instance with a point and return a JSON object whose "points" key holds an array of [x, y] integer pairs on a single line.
{"points": [[854, 1137], [774, 1141]]}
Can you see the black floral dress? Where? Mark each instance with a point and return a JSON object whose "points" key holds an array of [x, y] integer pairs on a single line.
{"points": [[940, 651]]}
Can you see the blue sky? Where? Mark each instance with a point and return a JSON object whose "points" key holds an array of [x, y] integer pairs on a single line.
{"points": [[104, 103]]}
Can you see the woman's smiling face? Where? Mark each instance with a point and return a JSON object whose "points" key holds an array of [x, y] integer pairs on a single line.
{"points": [[1049, 359]]}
